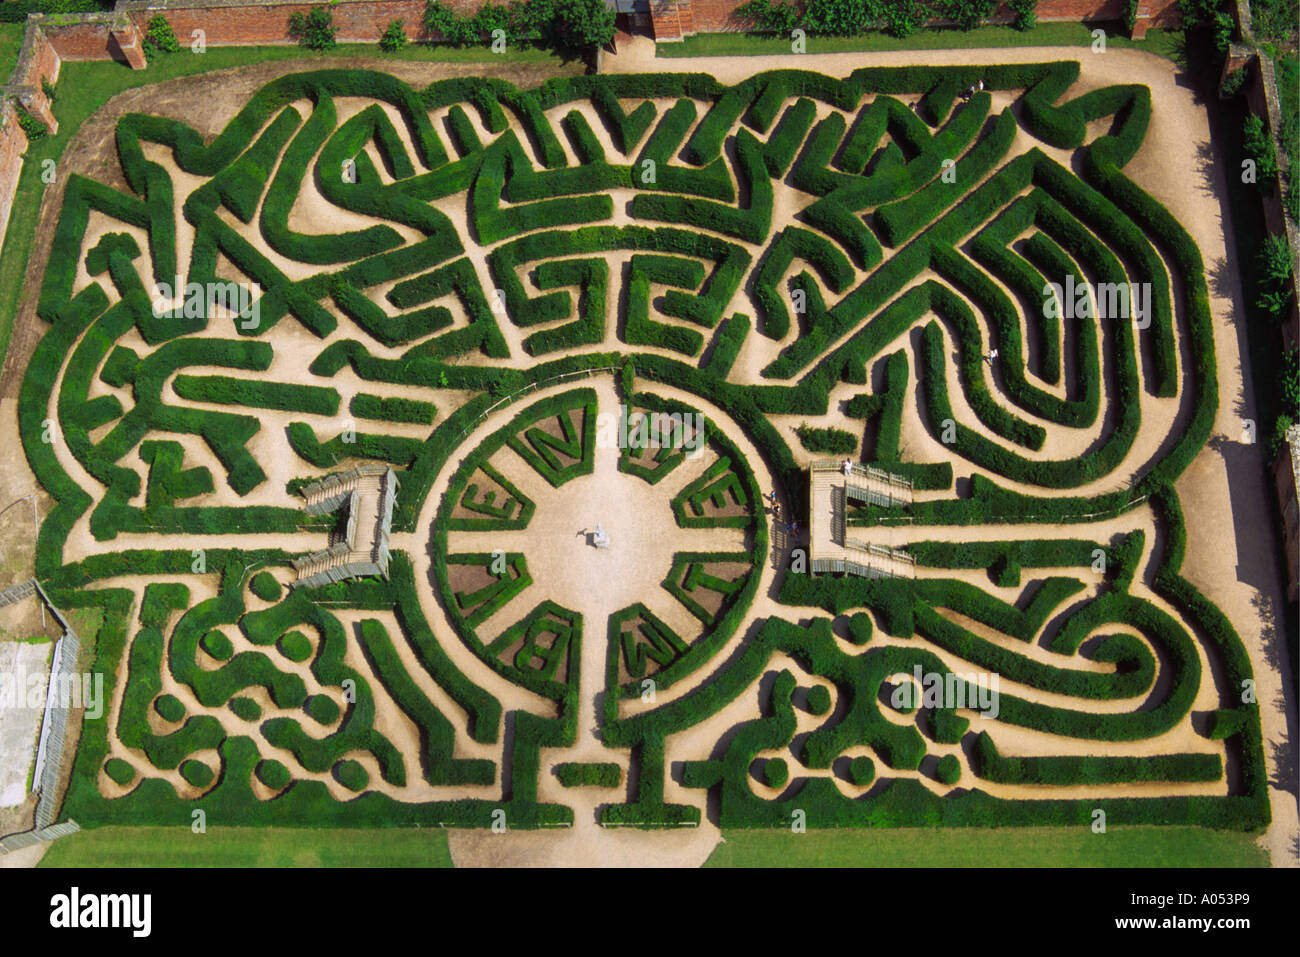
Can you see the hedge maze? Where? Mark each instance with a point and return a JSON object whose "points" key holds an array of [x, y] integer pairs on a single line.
{"points": [[476, 285]]}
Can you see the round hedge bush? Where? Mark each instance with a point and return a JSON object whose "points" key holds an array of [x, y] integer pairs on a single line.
{"points": [[351, 775], [819, 700], [245, 708], [169, 707], [295, 646], [196, 773], [776, 773], [119, 771], [949, 770], [860, 628], [862, 770], [265, 586], [273, 774], [216, 644], [322, 708]]}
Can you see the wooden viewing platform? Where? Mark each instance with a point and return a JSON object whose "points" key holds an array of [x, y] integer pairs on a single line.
{"points": [[830, 491], [367, 492]]}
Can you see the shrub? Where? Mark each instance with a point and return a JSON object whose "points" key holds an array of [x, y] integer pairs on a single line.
{"points": [[322, 708], [196, 773], [273, 774], [968, 14], [169, 707], [1274, 274], [862, 770], [1258, 145], [831, 440], [393, 409], [218, 645], [265, 586], [593, 774], [1130, 15], [394, 37], [1026, 12], [860, 628], [119, 771], [351, 775], [159, 37], [315, 29], [949, 769], [819, 700], [245, 708], [33, 127], [903, 17], [776, 772], [770, 16]]}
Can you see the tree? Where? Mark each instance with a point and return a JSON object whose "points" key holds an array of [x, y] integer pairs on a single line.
{"points": [[575, 26], [314, 30]]}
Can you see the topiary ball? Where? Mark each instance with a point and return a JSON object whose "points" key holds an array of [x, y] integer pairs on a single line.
{"points": [[169, 707], [196, 773], [949, 770], [819, 700], [265, 587], [860, 628], [273, 774], [776, 773], [216, 644], [119, 771], [322, 708], [351, 775], [295, 646], [862, 770]]}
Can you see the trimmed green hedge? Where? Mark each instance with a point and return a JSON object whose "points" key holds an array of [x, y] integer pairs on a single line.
{"points": [[589, 775], [265, 586]]}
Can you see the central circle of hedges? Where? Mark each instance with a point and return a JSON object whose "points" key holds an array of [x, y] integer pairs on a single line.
{"points": [[535, 651]]}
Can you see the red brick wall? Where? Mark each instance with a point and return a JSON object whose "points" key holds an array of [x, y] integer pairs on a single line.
{"points": [[236, 22], [13, 142], [716, 16], [42, 64], [231, 24], [82, 41]]}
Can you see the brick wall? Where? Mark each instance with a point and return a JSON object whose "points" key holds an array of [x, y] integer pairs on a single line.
{"points": [[86, 39], [236, 22], [241, 22], [38, 61], [717, 16], [13, 142]]}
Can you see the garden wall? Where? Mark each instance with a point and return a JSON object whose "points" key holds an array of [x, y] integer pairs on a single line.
{"points": [[37, 62], [674, 19]]}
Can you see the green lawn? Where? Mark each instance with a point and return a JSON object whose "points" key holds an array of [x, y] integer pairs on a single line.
{"points": [[1165, 43], [86, 86], [11, 41], [249, 847], [971, 847]]}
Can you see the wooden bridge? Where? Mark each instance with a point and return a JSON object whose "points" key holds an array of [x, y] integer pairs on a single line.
{"points": [[831, 489]]}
